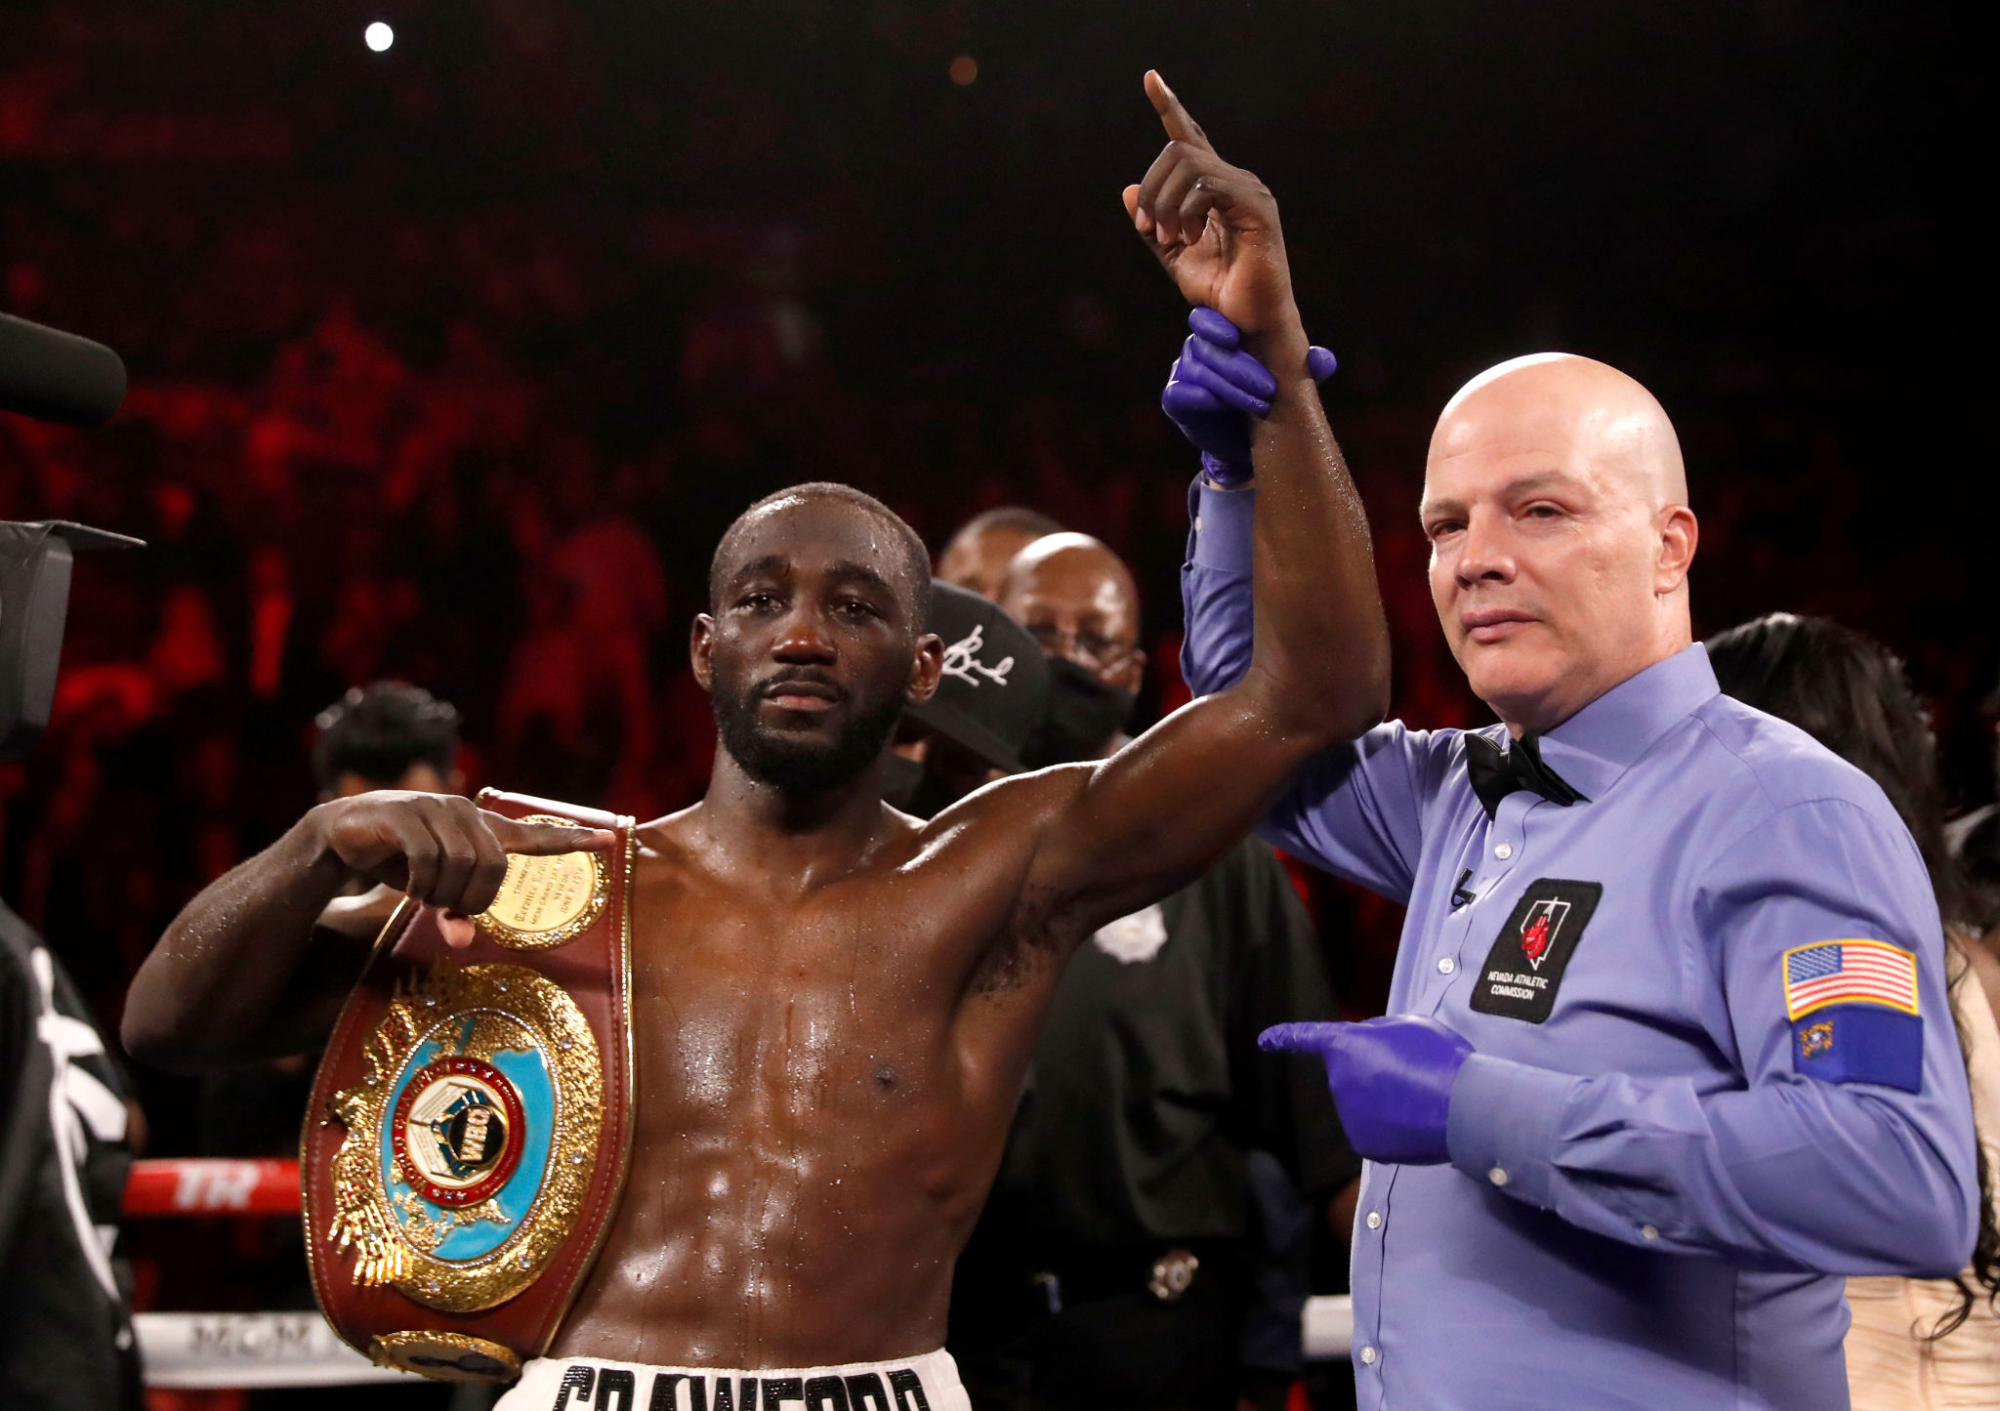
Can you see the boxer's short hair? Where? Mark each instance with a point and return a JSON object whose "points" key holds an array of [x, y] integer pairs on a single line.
{"points": [[916, 558]]}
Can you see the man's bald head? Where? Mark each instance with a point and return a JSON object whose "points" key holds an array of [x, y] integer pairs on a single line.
{"points": [[1079, 601], [978, 555], [1555, 502], [1596, 412]]}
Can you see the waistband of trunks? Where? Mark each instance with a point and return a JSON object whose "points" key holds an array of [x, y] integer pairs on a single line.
{"points": [[926, 1383]]}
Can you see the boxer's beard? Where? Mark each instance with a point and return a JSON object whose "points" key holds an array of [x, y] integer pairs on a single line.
{"points": [[794, 766]]}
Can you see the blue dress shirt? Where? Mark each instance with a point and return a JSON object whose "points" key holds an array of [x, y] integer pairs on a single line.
{"points": [[1650, 1200]]}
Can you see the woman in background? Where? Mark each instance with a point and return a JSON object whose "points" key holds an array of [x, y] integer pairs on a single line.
{"points": [[1915, 1344]]}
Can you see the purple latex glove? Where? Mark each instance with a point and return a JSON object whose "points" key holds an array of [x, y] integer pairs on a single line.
{"points": [[1391, 1080], [1215, 388]]}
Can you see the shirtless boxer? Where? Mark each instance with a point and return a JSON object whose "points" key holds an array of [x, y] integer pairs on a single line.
{"points": [[833, 1003]]}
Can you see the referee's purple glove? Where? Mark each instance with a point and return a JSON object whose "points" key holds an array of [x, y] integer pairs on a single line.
{"points": [[1391, 1080], [1215, 388]]}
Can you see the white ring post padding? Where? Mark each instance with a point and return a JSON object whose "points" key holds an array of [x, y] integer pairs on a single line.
{"points": [[211, 1351], [1327, 1325]]}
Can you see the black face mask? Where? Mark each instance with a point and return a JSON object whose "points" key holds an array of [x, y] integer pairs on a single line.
{"points": [[911, 787], [1083, 715]]}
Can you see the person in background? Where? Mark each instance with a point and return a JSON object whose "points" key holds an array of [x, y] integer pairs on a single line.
{"points": [[1915, 1344], [1115, 1262], [389, 735], [978, 555], [990, 701]]}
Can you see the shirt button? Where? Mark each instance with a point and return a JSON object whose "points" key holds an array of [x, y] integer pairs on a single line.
{"points": [[1447, 965], [1368, 1356], [1504, 851], [1651, 1232], [1498, 1176], [1374, 1219]]}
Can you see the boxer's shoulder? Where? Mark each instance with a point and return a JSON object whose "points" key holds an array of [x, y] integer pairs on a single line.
{"points": [[1003, 821]]}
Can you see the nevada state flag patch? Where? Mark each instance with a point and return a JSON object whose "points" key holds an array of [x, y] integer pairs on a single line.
{"points": [[1854, 1013]]}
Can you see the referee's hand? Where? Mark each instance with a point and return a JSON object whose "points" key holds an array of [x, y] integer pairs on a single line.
{"points": [[1391, 1079]]}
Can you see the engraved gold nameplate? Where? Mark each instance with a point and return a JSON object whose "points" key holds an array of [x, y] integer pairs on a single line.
{"points": [[546, 901], [470, 1141], [450, 1357]]}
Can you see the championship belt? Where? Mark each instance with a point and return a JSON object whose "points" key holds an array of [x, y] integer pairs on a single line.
{"points": [[469, 1128]]}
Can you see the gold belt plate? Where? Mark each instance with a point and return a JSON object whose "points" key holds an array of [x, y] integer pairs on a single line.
{"points": [[547, 901], [471, 1139]]}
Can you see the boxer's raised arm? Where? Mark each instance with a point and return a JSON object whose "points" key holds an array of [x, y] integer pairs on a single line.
{"points": [[1163, 808], [258, 963]]}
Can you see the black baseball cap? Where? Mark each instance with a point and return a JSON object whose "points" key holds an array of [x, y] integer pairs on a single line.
{"points": [[995, 685]]}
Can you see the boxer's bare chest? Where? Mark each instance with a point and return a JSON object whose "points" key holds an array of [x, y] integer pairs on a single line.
{"points": [[752, 994], [809, 1114]]}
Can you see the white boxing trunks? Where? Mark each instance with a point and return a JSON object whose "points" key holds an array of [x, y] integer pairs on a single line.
{"points": [[926, 1383]]}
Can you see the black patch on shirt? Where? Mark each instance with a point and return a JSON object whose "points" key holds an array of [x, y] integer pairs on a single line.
{"points": [[1524, 969]]}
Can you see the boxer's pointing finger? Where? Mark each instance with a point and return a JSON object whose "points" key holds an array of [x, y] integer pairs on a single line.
{"points": [[546, 839], [1179, 123]]}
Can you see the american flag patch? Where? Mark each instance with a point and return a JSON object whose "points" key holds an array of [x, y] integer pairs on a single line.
{"points": [[1849, 972]]}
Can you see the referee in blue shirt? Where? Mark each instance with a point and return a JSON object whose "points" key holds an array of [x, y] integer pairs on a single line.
{"points": [[1668, 1050]]}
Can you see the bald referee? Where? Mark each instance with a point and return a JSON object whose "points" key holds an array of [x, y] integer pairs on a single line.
{"points": [[1668, 1049]]}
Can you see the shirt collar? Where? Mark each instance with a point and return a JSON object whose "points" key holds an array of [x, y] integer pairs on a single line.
{"points": [[1599, 743]]}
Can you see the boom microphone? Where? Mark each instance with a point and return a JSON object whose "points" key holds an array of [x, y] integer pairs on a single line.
{"points": [[56, 376]]}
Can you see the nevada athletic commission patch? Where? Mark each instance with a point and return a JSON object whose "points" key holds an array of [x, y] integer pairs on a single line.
{"points": [[1854, 1013], [1525, 968]]}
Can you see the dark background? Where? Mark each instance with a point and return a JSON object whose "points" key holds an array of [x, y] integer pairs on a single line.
{"points": [[450, 363]]}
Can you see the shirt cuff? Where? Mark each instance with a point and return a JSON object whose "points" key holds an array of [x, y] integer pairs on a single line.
{"points": [[1222, 527], [1501, 1127]]}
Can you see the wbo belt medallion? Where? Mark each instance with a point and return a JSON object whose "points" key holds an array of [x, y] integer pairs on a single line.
{"points": [[546, 901], [472, 1137]]}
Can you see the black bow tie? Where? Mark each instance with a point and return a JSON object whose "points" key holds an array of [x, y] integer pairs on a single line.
{"points": [[1495, 775]]}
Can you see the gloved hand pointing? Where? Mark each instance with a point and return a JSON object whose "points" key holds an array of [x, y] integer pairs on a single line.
{"points": [[1391, 1080]]}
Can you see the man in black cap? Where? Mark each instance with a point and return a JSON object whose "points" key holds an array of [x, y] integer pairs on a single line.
{"points": [[989, 702]]}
